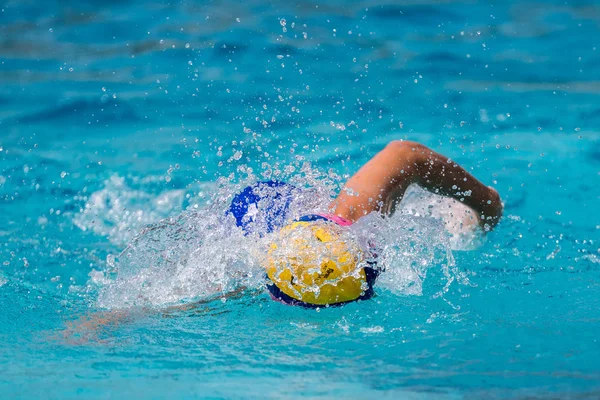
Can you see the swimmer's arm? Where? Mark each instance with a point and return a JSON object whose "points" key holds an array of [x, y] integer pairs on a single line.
{"points": [[90, 327], [380, 184]]}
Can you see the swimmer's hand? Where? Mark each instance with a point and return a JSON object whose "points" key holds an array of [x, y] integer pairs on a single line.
{"points": [[381, 183]]}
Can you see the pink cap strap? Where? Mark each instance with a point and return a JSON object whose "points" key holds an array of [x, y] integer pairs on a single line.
{"points": [[337, 219]]}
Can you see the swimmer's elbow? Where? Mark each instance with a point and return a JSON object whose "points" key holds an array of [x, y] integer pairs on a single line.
{"points": [[403, 145], [406, 146], [406, 150]]}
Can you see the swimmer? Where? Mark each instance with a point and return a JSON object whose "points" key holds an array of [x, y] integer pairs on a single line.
{"points": [[309, 264]]}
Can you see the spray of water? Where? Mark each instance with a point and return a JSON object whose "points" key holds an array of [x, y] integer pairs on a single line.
{"points": [[201, 253]]}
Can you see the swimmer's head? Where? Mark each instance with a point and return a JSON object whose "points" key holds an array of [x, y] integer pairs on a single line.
{"points": [[312, 263]]}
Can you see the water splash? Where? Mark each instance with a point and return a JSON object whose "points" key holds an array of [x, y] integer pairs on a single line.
{"points": [[200, 253], [461, 223], [407, 246], [181, 259], [119, 211]]}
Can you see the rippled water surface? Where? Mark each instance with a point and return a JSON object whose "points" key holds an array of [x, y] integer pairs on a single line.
{"points": [[126, 127]]}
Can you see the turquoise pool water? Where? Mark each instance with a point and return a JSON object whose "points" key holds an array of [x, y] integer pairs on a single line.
{"points": [[117, 115]]}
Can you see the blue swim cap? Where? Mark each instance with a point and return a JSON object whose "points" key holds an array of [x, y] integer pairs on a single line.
{"points": [[263, 207]]}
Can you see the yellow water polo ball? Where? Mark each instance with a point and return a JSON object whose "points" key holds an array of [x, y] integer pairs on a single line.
{"points": [[311, 263]]}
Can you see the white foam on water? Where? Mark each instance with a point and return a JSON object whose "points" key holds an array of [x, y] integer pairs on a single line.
{"points": [[372, 330], [119, 211]]}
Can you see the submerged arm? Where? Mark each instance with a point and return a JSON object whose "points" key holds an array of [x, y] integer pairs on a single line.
{"points": [[380, 184], [91, 327]]}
